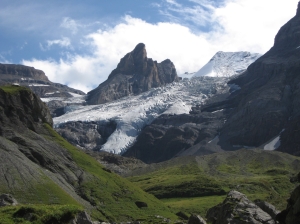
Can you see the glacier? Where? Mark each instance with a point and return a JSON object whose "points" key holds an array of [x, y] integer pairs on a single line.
{"points": [[133, 113]]}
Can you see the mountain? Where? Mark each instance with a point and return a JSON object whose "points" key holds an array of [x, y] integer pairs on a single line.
{"points": [[114, 126], [40, 167], [36, 80], [134, 74], [261, 111], [39, 83], [227, 64]]}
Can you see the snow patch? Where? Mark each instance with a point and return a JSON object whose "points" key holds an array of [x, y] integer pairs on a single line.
{"points": [[75, 94], [227, 64], [215, 139], [298, 47], [275, 143], [37, 84]]}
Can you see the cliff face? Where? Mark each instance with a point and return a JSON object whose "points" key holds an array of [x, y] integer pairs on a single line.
{"points": [[268, 102], [134, 74], [19, 107]]}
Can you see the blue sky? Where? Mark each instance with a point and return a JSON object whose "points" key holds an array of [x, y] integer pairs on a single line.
{"points": [[79, 42]]}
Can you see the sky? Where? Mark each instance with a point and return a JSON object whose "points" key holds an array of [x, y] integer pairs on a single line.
{"points": [[78, 43]]}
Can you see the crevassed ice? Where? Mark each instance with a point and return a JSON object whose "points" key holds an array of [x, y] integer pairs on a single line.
{"points": [[132, 113]]}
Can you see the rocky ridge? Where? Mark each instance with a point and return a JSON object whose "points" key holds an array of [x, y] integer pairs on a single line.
{"points": [[34, 79], [56, 95], [134, 74]]}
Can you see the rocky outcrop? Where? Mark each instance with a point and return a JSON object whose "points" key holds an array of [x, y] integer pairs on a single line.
{"points": [[82, 218], [7, 200], [267, 207], [19, 107], [134, 74], [177, 135], [268, 101], [237, 208], [35, 79], [196, 219], [291, 214], [87, 135]]}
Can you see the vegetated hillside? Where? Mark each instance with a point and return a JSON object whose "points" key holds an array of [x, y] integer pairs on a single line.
{"points": [[194, 184], [39, 167]]}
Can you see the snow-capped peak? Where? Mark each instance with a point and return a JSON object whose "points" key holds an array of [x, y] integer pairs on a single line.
{"points": [[227, 64]]}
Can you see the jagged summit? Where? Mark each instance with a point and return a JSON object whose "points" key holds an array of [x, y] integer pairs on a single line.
{"points": [[298, 9], [134, 74], [227, 64]]}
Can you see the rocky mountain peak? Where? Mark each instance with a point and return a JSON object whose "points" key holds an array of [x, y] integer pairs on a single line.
{"points": [[134, 74], [139, 52], [288, 36]]}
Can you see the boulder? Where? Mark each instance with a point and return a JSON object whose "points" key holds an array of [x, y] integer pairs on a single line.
{"points": [[82, 218], [291, 214], [196, 219], [7, 199], [238, 209], [267, 207]]}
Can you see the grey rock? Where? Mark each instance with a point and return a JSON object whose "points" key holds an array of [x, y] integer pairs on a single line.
{"points": [[87, 135], [196, 219], [34, 79], [238, 209], [267, 207], [134, 74], [82, 218], [182, 215], [7, 199], [291, 214]]}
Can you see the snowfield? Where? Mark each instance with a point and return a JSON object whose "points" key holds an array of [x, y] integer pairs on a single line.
{"points": [[132, 113], [227, 64]]}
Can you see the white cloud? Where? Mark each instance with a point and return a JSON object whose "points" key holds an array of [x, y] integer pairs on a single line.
{"points": [[64, 42], [237, 25], [3, 60], [70, 24]]}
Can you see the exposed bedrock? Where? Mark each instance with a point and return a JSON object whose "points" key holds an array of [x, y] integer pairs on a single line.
{"points": [[134, 74]]}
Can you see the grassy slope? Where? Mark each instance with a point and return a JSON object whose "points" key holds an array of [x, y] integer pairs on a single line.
{"points": [[13, 89], [202, 180], [113, 197]]}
